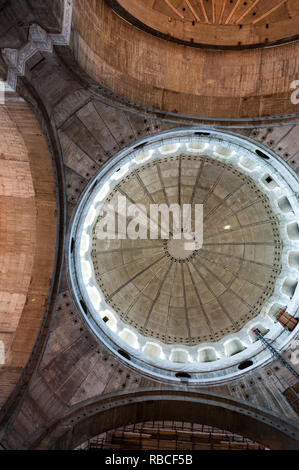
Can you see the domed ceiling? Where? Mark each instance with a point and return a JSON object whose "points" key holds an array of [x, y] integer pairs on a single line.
{"points": [[214, 22], [153, 287], [177, 295]]}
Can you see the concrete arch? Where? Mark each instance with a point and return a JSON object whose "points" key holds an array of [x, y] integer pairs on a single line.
{"points": [[27, 240], [94, 417]]}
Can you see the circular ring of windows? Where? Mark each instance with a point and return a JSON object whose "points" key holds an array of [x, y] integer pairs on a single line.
{"points": [[210, 361]]}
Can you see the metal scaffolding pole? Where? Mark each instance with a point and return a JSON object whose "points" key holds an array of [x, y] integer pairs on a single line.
{"points": [[276, 354]]}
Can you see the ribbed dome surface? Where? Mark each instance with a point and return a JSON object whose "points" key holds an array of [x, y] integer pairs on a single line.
{"points": [[235, 23], [189, 297], [221, 11]]}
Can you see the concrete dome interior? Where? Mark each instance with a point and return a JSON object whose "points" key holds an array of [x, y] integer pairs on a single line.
{"points": [[214, 23], [225, 87], [174, 308], [190, 297]]}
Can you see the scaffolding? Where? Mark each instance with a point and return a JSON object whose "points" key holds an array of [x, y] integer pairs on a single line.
{"points": [[290, 387], [276, 354], [169, 435]]}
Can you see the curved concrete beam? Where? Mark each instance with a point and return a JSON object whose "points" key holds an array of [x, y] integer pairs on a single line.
{"points": [[106, 413]]}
